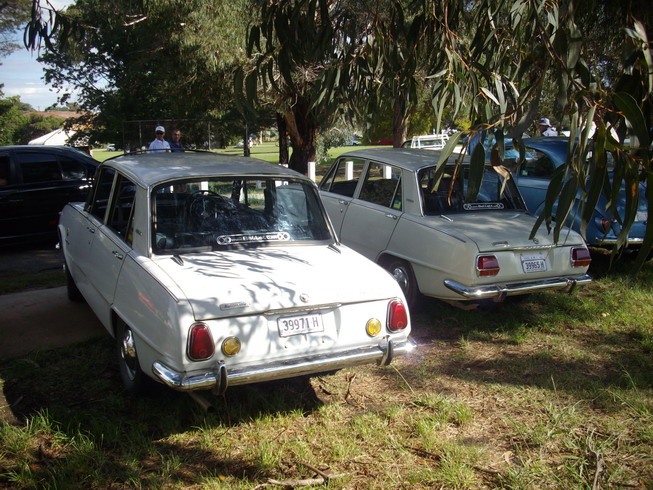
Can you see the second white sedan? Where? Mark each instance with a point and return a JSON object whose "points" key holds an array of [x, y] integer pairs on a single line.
{"points": [[396, 207]]}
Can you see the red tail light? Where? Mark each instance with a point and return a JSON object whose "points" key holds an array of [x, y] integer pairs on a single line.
{"points": [[397, 316], [487, 265], [200, 342], [580, 257], [606, 225]]}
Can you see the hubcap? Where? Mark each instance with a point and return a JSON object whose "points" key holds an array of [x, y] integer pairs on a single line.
{"points": [[128, 353], [401, 277]]}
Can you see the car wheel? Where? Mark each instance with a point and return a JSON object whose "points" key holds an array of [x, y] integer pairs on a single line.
{"points": [[73, 292], [403, 274], [133, 377]]}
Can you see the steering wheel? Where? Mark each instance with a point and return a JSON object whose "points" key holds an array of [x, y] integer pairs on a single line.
{"points": [[205, 205]]}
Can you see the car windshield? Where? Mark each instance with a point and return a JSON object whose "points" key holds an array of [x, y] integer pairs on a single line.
{"points": [[449, 195], [217, 213]]}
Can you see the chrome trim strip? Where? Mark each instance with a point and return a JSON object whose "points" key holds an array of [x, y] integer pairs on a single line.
{"points": [[500, 291], [302, 309], [221, 376], [532, 247], [613, 241]]}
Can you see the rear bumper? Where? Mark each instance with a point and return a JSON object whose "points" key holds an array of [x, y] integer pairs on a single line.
{"points": [[221, 377], [498, 292], [632, 242]]}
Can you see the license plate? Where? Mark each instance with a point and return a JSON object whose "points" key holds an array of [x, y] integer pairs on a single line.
{"points": [[298, 325], [533, 263]]}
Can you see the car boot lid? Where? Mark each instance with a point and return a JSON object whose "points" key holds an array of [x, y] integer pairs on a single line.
{"points": [[237, 282], [501, 230]]}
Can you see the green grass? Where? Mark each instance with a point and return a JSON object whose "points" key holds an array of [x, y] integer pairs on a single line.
{"points": [[555, 391], [16, 282], [552, 392]]}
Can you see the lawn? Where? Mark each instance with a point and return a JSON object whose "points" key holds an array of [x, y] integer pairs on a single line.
{"points": [[554, 391], [267, 151]]}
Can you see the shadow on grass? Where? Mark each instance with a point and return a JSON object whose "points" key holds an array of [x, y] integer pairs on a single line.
{"points": [[552, 341], [78, 392]]}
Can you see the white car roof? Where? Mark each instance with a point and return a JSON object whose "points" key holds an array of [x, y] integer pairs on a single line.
{"points": [[407, 158], [148, 169]]}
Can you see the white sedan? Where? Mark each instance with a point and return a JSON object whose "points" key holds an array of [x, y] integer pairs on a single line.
{"points": [[212, 271], [439, 238]]}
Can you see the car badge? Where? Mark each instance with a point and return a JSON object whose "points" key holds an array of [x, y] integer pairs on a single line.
{"points": [[231, 306], [304, 297]]}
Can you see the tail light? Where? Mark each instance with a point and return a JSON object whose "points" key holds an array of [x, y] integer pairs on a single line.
{"points": [[606, 224], [397, 316], [200, 342], [580, 257], [487, 265]]}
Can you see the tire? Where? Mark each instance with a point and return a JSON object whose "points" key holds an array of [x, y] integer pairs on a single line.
{"points": [[134, 379], [71, 288], [402, 272]]}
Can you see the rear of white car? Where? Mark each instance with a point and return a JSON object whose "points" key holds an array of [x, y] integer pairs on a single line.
{"points": [[213, 271], [308, 316]]}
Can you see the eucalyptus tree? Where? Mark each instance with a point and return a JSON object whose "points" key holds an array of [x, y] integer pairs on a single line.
{"points": [[517, 46], [315, 58], [13, 14], [406, 43], [155, 60], [299, 51]]}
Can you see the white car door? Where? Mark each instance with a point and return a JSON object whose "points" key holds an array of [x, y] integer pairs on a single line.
{"points": [[110, 246], [338, 188], [372, 217]]}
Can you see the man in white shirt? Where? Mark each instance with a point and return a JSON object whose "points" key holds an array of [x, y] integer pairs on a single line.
{"points": [[159, 144]]}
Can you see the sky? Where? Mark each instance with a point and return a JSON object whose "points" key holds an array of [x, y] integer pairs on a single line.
{"points": [[22, 75]]}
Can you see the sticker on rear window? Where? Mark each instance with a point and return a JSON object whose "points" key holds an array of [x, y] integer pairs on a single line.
{"points": [[472, 206]]}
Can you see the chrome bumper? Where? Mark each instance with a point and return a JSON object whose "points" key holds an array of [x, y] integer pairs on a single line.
{"points": [[498, 292], [221, 377], [613, 241]]}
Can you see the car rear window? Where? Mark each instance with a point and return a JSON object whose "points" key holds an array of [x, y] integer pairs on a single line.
{"points": [[449, 194], [215, 213]]}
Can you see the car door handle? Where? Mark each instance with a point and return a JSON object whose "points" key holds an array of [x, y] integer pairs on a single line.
{"points": [[344, 203], [390, 216], [91, 230], [118, 255]]}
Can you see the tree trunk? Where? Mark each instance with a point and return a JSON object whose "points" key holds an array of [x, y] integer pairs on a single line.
{"points": [[302, 130], [399, 123], [283, 139]]}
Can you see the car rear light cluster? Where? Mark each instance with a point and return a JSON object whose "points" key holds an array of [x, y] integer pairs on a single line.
{"points": [[487, 265], [606, 224], [580, 257], [200, 342], [397, 316]]}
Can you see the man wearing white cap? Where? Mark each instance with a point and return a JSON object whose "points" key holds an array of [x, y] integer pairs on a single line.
{"points": [[159, 144], [544, 127]]}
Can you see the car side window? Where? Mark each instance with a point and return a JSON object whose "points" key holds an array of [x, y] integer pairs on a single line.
{"points": [[72, 169], [120, 217], [102, 193], [38, 167], [4, 170], [382, 186], [537, 164], [343, 178]]}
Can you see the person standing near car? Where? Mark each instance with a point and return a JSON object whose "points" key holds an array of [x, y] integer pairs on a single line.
{"points": [[175, 143], [159, 144], [545, 129]]}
